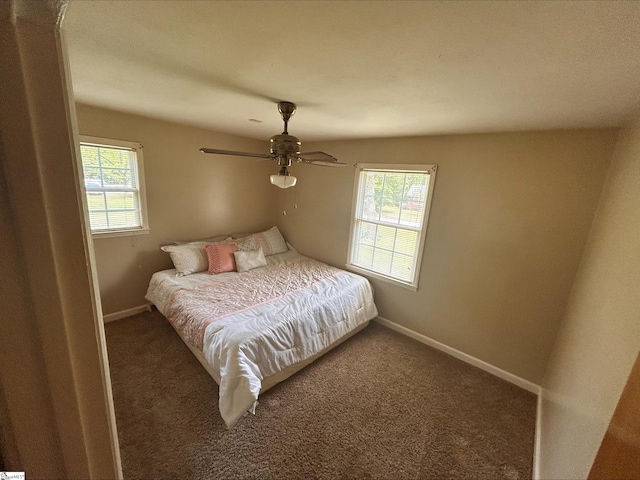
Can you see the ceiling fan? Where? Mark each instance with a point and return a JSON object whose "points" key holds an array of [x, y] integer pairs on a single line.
{"points": [[285, 149]]}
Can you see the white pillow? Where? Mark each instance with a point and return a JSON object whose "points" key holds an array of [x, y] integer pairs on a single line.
{"points": [[246, 261], [216, 239], [246, 244], [187, 259], [270, 241]]}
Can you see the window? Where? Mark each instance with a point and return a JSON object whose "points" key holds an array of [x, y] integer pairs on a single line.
{"points": [[114, 184], [389, 221]]}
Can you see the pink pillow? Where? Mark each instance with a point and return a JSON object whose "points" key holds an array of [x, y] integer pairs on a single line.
{"points": [[220, 256]]}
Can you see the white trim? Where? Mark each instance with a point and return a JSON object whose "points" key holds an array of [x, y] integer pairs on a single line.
{"points": [[111, 317], [538, 437], [119, 233], [476, 362], [371, 273], [109, 142]]}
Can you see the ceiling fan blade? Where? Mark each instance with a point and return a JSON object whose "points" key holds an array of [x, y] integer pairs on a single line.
{"points": [[316, 156], [319, 158], [239, 154], [324, 163]]}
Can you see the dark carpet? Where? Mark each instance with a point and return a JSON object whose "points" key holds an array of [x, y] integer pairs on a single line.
{"points": [[381, 405]]}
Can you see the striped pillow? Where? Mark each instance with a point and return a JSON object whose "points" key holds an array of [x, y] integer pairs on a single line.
{"points": [[220, 256]]}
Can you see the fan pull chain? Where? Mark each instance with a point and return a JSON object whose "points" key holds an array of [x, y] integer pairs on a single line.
{"points": [[295, 201]]}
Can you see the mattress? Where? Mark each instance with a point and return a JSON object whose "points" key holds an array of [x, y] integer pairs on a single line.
{"points": [[251, 327]]}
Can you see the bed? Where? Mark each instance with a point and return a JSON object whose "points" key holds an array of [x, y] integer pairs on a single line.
{"points": [[253, 329]]}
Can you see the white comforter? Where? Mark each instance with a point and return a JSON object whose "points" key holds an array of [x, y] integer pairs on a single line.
{"points": [[246, 347]]}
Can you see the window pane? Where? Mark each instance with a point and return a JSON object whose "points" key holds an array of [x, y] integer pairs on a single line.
{"points": [[114, 158], [406, 241], [389, 222], [96, 201], [92, 177], [89, 156], [396, 198], [410, 218], [390, 210], [370, 196], [394, 249], [382, 261], [402, 266], [370, 208], [366, 233], [385, 237], [364, 256], [121, 201], [117, 177], [111, 180], [414, 199], [123, 219], [98, 220]]}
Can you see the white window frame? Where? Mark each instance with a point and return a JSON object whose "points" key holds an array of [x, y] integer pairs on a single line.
{"points": [[422, 232], [137, 148]]}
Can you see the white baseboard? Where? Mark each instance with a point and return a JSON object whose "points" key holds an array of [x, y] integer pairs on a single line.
{"points": [[476, 362], [126, 313]]}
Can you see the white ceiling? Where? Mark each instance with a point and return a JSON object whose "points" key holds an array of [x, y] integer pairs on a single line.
{"points": [[360, 68]]}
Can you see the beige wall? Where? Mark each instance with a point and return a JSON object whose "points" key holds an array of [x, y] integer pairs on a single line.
{"points": [[600, 334], [509, 221], [56, 412], [510, 218], [190, 195]]}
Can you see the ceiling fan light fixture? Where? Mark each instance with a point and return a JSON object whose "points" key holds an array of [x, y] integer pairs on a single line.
{"points": [[283, 181]]}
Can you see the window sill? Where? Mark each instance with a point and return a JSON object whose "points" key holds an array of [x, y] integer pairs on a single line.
{"points": [[379, 276], [120, 233]]}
